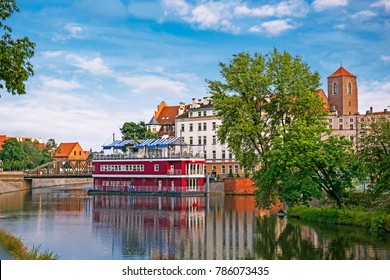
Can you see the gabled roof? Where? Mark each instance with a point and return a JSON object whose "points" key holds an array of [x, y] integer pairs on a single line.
{"points": [[64, 149], [153, 121], [341, 72], [323, 97], [168, 115]]}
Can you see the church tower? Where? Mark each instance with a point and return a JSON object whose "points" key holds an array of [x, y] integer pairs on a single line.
{"points": [[343, 92]]}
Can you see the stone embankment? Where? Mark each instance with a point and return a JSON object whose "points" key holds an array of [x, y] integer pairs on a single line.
{"points": [[12, 181]]}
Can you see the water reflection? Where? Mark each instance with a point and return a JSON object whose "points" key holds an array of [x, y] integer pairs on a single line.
{"points": [[78, 226]]}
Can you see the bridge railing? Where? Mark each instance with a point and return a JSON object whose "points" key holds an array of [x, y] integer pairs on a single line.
{"points": [[62, 168]]}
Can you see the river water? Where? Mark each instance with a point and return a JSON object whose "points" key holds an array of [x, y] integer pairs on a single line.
{"points": [[76, 226]]}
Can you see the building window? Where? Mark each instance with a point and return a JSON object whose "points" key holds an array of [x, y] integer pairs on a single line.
{"points": [[190, 114], [351, 138], [191, 140], [223, 169], [214, 125], [191, 127], [74, 152], [330, 120], [340, 120], [204, 113], [349, 104], [204, 126], [214, 154], [199, 140], [182, 127], [351, 120], [199, 126], [214, 139], [341, 127], [79, 153], [330, 126], [156, 168], [349, 88], [351, 126], [230, 155], [204, 140], [230, 169], [334, 88], [223, 154], [362, 119], [236, 169], [199, 114]]}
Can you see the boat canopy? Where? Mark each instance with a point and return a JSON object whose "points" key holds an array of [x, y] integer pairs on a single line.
{"points": [[162, 142], [118, 144]]}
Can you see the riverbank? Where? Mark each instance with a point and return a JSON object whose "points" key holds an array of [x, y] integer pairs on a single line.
{"points": [[377, 222], [11, 248]]}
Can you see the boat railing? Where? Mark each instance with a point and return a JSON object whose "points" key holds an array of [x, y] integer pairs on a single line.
{"points": [[124, 156]]}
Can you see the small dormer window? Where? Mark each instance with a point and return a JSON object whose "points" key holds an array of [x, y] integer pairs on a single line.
{"points": [[349, 88], [334, 88]]}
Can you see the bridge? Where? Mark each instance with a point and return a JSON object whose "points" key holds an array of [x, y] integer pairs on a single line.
{"points": [[61, 169]]}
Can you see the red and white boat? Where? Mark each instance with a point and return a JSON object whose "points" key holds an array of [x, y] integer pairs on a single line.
{"points": [[159, 166]]}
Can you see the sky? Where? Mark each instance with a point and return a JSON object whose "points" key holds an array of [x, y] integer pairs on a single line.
{"points": [[99, 63]]}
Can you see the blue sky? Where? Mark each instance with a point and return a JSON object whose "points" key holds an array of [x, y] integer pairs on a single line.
{"points": [[99, 63]]}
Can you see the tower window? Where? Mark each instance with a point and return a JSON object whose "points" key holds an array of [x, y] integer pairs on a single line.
{"points": [[334, 88], [349, 88]]}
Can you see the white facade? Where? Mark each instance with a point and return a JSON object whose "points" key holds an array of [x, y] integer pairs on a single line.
{"points": [[198, 128]]}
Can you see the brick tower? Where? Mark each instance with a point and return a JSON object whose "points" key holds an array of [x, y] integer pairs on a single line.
{"points": [[343, 92]]}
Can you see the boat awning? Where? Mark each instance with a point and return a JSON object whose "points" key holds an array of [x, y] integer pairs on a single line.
{"points": [[118, 144], [163, 142]]}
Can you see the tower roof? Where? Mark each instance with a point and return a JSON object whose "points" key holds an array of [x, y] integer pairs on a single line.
{"points": [[341, 72]]}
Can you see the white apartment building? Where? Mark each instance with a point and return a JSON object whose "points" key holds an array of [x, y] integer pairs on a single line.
{"points": [[198, 128]]}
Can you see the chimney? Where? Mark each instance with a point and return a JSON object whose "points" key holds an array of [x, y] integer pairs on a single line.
{"points": [[385, 111], [182, 108], [371, 110]]}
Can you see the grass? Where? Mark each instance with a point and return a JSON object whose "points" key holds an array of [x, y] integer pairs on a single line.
{"points": [[377, 222], [18, 251]]}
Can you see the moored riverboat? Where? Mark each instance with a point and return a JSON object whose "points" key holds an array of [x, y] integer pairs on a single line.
{"points": [[155, 167]]}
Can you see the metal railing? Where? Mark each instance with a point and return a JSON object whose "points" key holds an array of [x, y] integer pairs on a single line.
{"points": [[125, 156]]}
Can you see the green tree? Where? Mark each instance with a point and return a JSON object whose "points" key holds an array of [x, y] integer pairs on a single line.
{"points": [[132, 130], [374, 151], [15, 67], [261, 95], [13, 155], [303, 164]]}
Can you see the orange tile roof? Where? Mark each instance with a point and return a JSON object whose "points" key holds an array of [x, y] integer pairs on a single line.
{"points": [[341, 72], [168, 114], [64, 149], [323, 97]]}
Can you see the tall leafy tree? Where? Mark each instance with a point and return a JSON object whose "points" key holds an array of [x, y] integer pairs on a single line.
{"points": [[15, 67], [13, 155], [259, 97], [303, 164], [132, 130], [374, 151], [272, 118]]}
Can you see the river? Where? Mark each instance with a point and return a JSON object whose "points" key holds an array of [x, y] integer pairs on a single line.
{"points": [[77, 226]]}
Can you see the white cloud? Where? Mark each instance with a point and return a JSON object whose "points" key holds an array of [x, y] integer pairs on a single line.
{"points": [[95, 66], [340, 26], [363, 15], [385, 58], [374, 94], [52, 54], [58, 84], [291, 8], [153, 85], [230, 16], [272, 28], [320, 5], [180, 7], [73, 29], [382, 3]]}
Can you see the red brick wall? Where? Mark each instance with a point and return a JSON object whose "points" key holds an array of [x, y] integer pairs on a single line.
{"points": [[238, 186]]}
